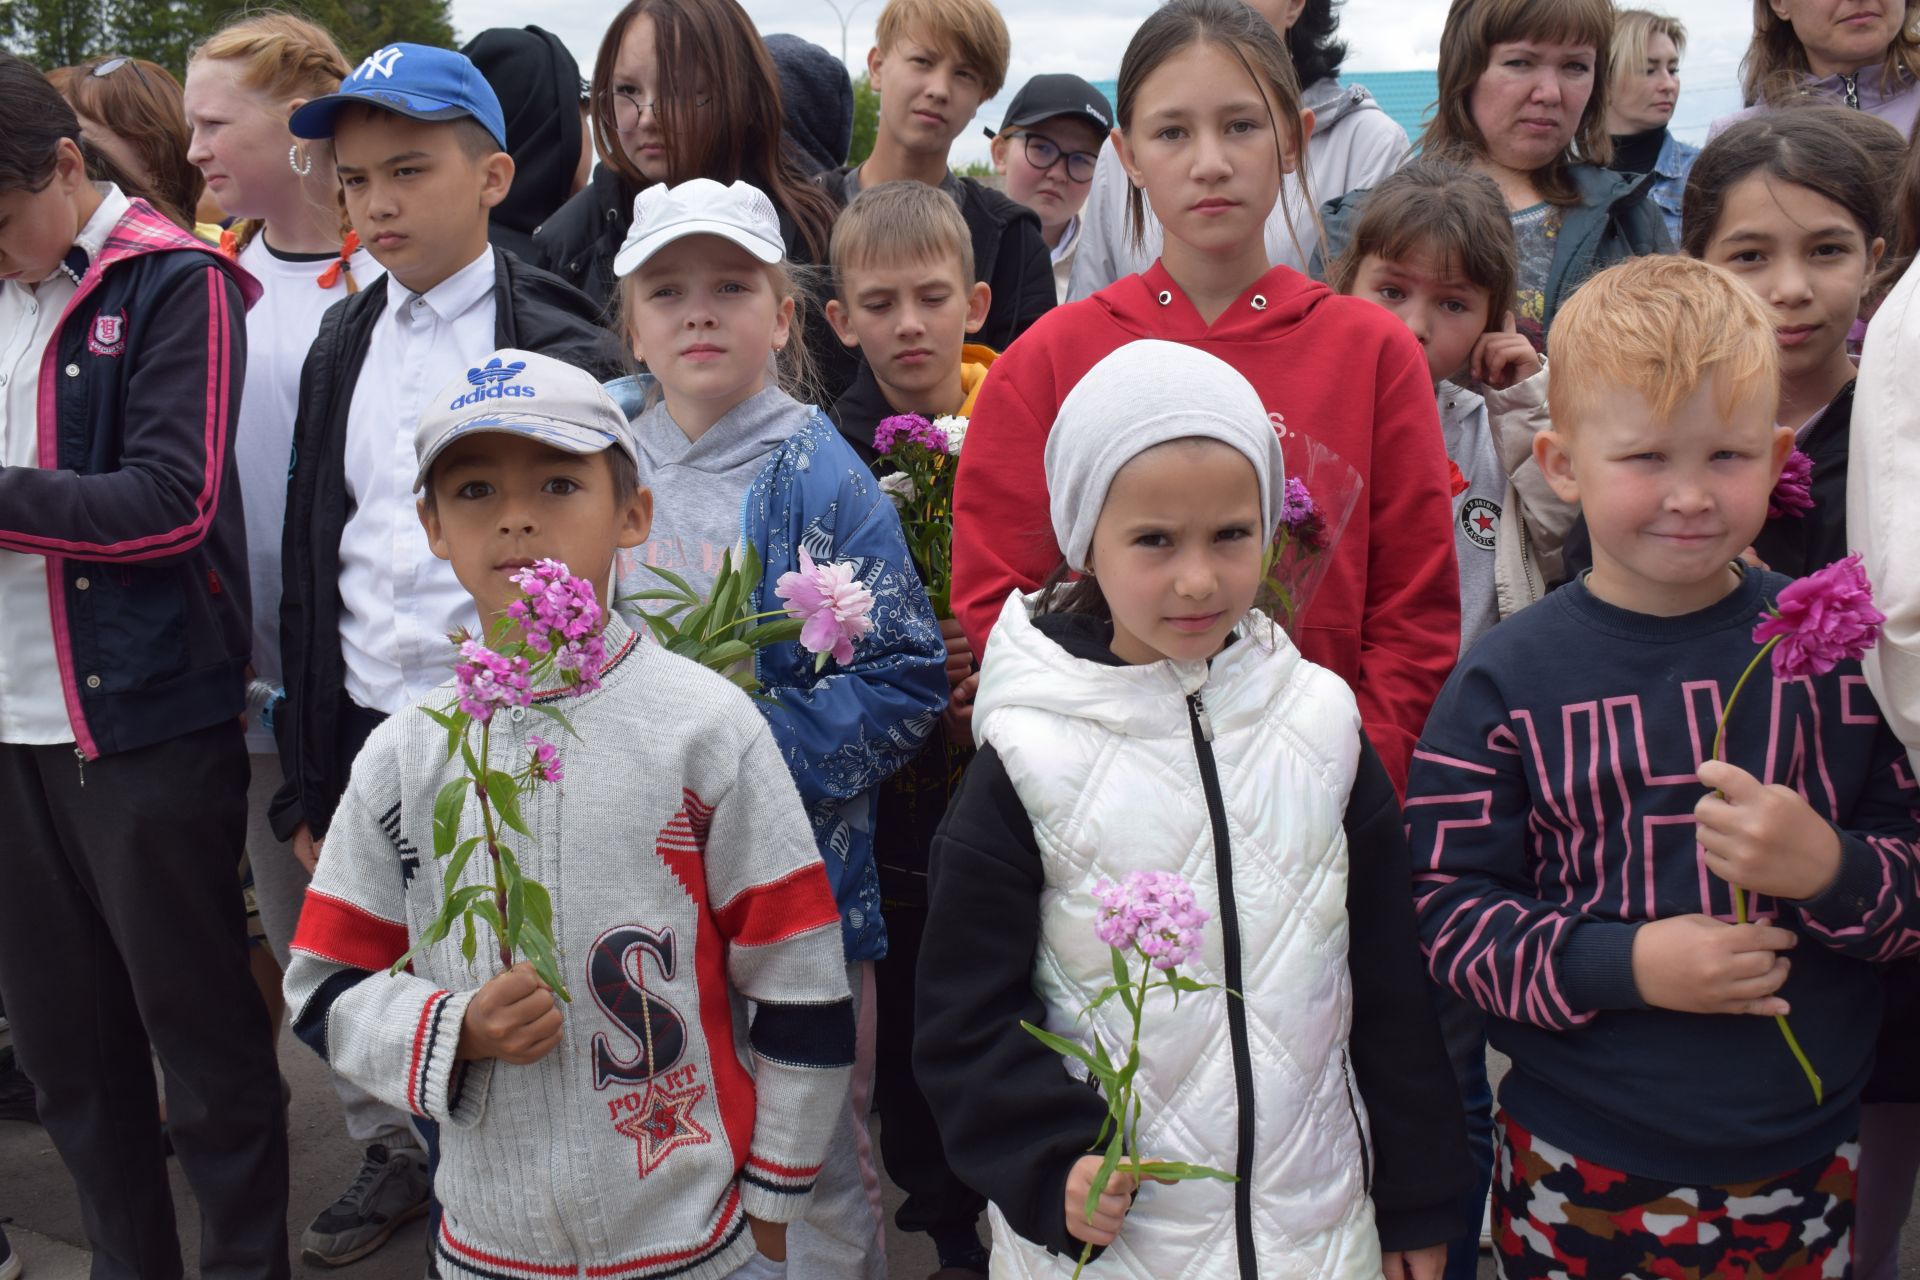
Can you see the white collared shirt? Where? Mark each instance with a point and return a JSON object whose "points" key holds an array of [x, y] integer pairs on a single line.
{"points": [[33, 709], [398, 600]]}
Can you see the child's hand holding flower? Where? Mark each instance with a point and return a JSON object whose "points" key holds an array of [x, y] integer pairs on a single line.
{"points": [[1763, 837]]}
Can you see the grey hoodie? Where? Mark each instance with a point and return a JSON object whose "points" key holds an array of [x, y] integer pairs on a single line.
{"points": [[700, 486], [1354, 144]]}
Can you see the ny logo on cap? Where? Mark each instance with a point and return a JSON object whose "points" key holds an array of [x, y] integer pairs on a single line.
{"points": [[380, 63]]}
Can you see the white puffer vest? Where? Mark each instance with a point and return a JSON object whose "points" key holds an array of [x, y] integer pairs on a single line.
{"points": [[1133, 768]]}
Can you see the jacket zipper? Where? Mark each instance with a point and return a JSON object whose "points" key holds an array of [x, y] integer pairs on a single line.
{"points": [[1236, 1008], [1359, 1126], [1853, 90]]}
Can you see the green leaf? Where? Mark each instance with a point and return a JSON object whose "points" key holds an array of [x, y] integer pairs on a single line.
{"points": [[746, 680], [469, 944], [539, 908], [447, 807], [723, 655], [635, 597], [1059, 1044], [467, 757], [779, 631], [505, 794], [1122, 980], [1105, 1174], [1103, 1069], [554, 713], [459, 864], [445, 719], [1181, 1171], [675, 580], [686, 645]]}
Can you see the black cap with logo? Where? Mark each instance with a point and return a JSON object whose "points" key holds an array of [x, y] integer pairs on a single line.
{"points": [[1048, 96]]}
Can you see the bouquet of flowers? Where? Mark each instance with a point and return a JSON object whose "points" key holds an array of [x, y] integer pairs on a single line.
{"points": [[924, 456], [1818, 622], [1153, 919], [826, 611], [1321, 493], [551, 635]]}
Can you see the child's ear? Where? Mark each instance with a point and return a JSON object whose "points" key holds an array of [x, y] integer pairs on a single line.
{"points": [[874, 62], [436, 535], [1293, 154], [1876, 252], [1556, 464], [1782, 449], [979, 300], [842, 323], [496, 179], [1124, 150], [783, 323], [998, 151], [636, 518]]}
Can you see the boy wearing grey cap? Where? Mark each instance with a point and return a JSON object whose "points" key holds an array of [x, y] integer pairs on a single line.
{"points": [[629, 1134]]}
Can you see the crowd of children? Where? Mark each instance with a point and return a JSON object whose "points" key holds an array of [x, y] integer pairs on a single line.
{"points": [[307, 361]]}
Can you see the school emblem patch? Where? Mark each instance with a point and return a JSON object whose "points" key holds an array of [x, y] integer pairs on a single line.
{"points": [[1480, 521], [109, 334]]}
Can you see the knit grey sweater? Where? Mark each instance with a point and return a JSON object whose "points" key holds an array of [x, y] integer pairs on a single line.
{"points": [[685, 885]]}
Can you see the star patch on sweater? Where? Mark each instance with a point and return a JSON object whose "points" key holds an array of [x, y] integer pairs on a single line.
{"points": [[664, 1124]]}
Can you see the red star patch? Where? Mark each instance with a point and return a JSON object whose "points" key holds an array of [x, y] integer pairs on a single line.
{"points": [[1485, 522], [665, 1126]]}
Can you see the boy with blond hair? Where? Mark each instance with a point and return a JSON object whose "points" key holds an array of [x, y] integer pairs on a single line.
{"points": [[932, 64], [906, 299], [1576, 848]]}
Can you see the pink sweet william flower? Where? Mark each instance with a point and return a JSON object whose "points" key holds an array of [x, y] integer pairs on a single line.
{"points": [[561, 615], [489, 680], [543, 760], [833, 606], [1793, 493], [915, 430], [1154, 913], [1821, 620]]}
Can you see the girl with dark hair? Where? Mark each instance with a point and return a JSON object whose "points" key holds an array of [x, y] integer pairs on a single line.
{"points": [[123, 652], [1209, 115], [1352, 144], [1523, 100], [681, 89], [132, 110]]}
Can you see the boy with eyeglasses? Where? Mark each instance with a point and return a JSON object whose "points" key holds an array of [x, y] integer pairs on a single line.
{"points": [[1046, 149], [933, 63]]}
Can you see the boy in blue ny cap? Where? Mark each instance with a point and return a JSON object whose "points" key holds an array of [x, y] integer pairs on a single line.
{"points": [[418, 140]]}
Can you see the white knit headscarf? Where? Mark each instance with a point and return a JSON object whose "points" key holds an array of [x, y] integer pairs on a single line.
{"points": [[1145, 394]]}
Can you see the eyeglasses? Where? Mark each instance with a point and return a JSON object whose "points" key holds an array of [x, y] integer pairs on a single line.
{"points": [[1043, 154], [104, 69], [627, 108]]}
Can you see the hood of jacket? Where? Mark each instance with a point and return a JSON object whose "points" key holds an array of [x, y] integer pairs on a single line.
{"points": [[738, 443], [1151, 305], [538, 84], [817, 101], [1333, 103]]}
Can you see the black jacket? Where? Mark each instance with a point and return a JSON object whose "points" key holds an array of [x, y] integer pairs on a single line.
{"points": [[1008, 253], [534, 312], [138, 508], [1013, 1121]]}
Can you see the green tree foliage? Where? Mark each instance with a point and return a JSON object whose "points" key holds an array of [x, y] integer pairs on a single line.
{"points": [[61, 33], [866, 119]]}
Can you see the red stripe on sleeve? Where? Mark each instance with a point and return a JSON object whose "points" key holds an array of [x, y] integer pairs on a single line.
{"points": [[336, 930], [769, 913]]}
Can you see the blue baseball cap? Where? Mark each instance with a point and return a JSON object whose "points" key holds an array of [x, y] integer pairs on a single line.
{"points": [[414, 80]]}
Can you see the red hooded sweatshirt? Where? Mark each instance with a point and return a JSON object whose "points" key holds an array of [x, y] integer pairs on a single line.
{"points": [[1386, 617]]}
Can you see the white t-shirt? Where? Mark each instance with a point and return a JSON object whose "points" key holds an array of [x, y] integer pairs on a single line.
{"points": [[398, 600], [280, 330]]}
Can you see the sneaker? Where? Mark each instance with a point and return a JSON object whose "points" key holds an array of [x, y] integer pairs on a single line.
{"points": [[390, 1191], [9, 1260], [1486, 1228]]}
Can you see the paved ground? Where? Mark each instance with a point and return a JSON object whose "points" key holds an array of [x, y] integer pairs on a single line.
{"points": [[37, 1195]]}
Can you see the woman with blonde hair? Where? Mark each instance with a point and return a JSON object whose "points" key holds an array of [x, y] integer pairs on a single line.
{"points": [[290, 235], [1523, 100], [1642, 92]]}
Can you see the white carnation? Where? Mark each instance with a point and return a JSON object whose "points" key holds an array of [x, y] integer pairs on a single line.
{"points": [[899, 487], [955, 429]]}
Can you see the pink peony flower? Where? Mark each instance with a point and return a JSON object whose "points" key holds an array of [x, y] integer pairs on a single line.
{"points": [[1154, 913], [561, 615], [489, 680], [543, 759], [833, 606], [1793, 493], [1820, 620]]}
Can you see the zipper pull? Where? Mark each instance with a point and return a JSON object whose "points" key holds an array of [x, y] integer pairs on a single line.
{"points": [[1200, 716], [80, 763], [1853, 90]]}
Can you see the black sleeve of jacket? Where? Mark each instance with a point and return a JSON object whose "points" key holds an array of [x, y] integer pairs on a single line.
{"points": [[1421, 1164], [1037, 294], [1011, 1119]]}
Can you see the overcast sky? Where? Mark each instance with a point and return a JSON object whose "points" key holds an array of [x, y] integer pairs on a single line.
{"points": [[1088, 36]]}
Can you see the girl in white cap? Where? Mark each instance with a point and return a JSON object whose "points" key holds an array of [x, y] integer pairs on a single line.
{"points": [[1144, 716], [708, 304]]}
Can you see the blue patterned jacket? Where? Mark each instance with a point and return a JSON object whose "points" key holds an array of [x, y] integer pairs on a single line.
{"points": [[844, 730]]}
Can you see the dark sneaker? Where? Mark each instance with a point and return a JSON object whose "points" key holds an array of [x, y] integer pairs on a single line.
{"points": [[390, 1191], [9, 1260]]}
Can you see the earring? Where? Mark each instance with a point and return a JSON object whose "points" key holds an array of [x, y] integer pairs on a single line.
{"points": [[293, 161]]}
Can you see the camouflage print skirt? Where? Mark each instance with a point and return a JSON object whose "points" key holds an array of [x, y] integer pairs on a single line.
{"points": [[1558, 1217]]}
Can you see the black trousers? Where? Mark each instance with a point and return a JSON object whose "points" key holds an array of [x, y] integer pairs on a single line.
{"points": [[937, 1202], [121, 932]]}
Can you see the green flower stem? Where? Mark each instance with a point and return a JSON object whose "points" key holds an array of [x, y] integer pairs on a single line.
{"points": [[1740, 894], [493, 845]]}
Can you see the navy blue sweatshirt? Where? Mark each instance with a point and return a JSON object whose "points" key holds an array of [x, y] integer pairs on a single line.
{"points": [[1550, 813]]}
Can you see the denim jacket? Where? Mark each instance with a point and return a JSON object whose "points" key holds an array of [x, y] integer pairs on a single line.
{"points": [[846, 729], [1673, 164]]}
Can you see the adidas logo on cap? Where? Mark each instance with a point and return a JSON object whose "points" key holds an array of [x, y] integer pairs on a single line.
{"points": [[494, 381]]}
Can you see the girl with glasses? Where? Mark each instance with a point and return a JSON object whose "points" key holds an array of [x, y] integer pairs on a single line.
{"points": [[1046, 149]]}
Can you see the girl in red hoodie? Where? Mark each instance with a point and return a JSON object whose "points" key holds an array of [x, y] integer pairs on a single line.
{"points": [[1210, 118]]}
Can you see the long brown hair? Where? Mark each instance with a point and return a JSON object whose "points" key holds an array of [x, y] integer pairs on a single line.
{"points": [[1173, 28], [140, 103], [1813, 147], [1775, 63], [1473, 28], [737, 136], [37, 119]]}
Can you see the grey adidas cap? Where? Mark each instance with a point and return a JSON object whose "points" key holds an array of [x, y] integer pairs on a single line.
{"points": [[523, 393]]}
